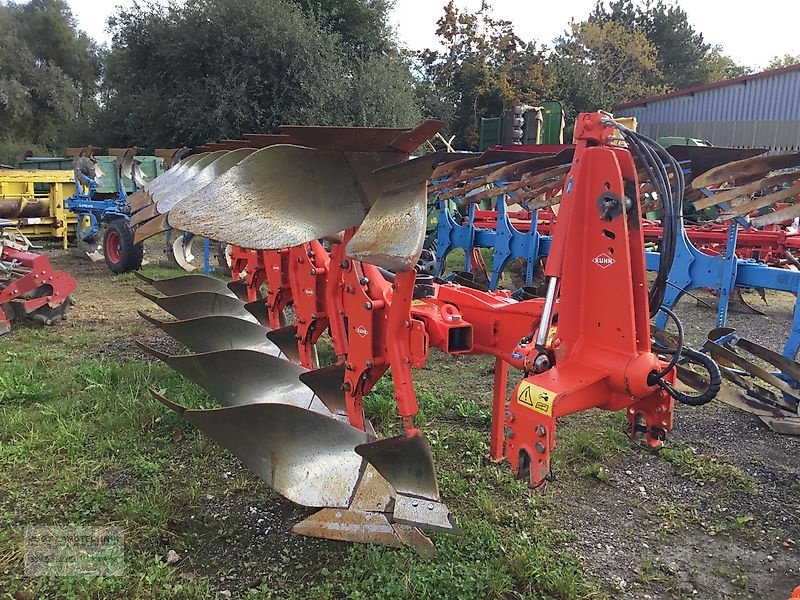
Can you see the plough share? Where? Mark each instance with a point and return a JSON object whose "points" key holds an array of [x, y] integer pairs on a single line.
{"points": [[341, 245]]}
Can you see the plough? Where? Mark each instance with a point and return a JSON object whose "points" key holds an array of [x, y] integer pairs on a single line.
{"points": [[29, 286], [102, 230], [336, 227], [723, 258]]}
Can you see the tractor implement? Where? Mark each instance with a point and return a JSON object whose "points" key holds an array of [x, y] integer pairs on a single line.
{"points": [[200, 304], [303, 430], [29, 286], [187, 284], [773, 396], [208, 334]]}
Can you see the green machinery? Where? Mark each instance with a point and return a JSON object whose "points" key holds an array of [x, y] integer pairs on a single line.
{"points": [[524, 124]]}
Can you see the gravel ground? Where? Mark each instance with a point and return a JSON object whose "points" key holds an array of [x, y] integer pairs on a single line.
{"points": [[646, 532], [649, 532]]}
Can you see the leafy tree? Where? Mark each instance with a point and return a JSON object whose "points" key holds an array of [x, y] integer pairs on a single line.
{"points": [[48, 78], [484, 68], [786, 60], [602, 63], [211, 69], [683, 57], [721, 66], [361, 24]]}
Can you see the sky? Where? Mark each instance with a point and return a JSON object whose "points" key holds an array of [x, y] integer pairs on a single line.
{"points": [[751, 33]]}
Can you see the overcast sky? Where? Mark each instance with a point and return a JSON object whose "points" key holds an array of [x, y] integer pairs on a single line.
{"points": [[750, 32]]}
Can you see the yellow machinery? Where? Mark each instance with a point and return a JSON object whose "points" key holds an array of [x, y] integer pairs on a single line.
{"points": [[34, 201]]}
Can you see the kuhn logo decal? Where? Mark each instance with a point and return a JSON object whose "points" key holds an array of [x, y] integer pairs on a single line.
{"points": [[362, 331], [603, 260]]}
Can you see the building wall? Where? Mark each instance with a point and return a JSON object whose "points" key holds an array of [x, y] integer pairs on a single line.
{"points": [[761, 112]]}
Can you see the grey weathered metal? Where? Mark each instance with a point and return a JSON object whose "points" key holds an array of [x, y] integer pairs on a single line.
{"points": [[759, 110]]}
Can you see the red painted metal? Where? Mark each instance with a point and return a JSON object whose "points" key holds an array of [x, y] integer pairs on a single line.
{"points": [[36, 285], [597, 352]]}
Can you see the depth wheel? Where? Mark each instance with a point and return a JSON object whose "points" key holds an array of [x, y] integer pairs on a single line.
{"points": [[121, 254]]}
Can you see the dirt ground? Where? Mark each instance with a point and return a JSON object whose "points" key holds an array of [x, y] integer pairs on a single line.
{"points": [[720, 518]]}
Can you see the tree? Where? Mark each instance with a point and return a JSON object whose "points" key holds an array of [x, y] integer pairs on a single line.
{"points": [[484, 68], [601, 63], [786, 60], [683, 57], [48, 78], [361, 24], [721, 66], [211, 69]]}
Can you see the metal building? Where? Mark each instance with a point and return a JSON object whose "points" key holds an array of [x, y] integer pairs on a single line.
{"points": [[759, 110]]}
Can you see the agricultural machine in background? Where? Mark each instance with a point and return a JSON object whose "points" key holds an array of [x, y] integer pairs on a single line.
{"points": [[29, 287], [726, 254], [95, 212], [343, 250], [101, 204]]}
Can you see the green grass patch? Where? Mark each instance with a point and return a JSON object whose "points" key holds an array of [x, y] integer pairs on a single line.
{"points": [[82, 442], [702, 468]]}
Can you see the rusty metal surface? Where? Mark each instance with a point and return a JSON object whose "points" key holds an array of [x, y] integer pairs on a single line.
{"points": [[167, 199], [305, 456], [406, 462], [373, 493], [749, 167], [393, 232], [537, 164], [747, 190], [150, 212], [327, 385], [410, 140], [730, 357], [186, 284], [779, 216], [355, 526], [278, 197], [209, 334], [199, 304], [150, 228], [249, 377], [139, 200], [342, 139], [414, 538], [264, 140], [783, 425], [762, 202], [705, 158]]}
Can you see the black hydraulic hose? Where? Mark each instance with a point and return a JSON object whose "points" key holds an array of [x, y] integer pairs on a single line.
{"points": [[656, 162], [714, 380], [677, 352]]}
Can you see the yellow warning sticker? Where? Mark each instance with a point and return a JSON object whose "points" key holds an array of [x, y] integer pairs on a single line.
{"points": [[418, 303], [550, 335], [536, 398]]}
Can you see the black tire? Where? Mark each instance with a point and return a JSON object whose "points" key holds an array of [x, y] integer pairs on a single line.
{"points": [[121, 254]]}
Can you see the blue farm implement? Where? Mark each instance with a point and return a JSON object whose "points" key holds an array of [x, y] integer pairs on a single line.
{"points": [[725, 256]]}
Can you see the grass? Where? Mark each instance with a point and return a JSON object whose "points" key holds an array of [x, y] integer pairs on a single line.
{"points": [[704, 469], [83, 443]]}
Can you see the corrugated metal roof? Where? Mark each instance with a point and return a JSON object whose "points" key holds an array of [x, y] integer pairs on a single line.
{"points": [[761, 111]]}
